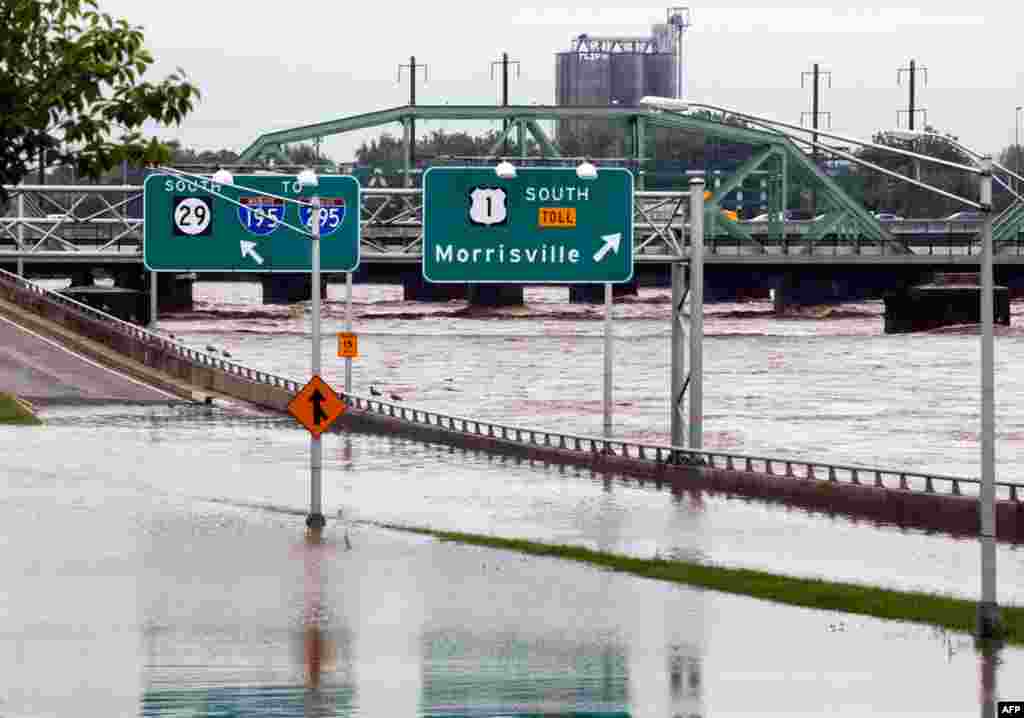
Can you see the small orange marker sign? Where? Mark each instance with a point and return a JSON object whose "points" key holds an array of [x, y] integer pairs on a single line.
{"points": [[316, 406], [348, 345]]}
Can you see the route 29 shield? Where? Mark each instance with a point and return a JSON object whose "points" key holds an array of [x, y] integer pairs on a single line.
{"points": [[261, 215], [487, 206]]}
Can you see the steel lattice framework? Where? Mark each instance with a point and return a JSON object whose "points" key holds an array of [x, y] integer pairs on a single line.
{"points": [[104, 223]]}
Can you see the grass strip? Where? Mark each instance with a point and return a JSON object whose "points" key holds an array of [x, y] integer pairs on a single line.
{"points": [[13, 412], [955, 614]]}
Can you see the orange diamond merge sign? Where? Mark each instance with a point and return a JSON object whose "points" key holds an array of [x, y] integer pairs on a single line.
{"points": [[316, 406]]}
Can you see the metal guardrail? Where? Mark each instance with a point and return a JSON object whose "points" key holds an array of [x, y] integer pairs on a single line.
{"points": [[795, 469], [178, 348]]}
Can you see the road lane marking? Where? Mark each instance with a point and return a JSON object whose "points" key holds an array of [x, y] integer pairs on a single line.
{"points": [[90, 361]]}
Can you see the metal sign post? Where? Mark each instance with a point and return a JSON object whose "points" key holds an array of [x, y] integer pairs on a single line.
{"points": [[678, 379], [316, 449], [682, 382], [697, 313], [348, 328], [988, 610], [609, 302]]}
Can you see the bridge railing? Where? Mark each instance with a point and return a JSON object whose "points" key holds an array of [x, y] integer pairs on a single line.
{"points": [[49, 220], [786, 468], [105, 218], [795, 469]]}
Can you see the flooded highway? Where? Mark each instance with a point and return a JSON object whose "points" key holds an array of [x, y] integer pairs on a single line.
{"points": [[154, 559]]}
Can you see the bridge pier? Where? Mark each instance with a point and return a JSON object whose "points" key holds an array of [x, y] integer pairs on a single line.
{"points": [[948, 300], [809, 288], [81, 278], [495, 295], [594, 293], [174, 293], [290, 287], [417, 289]]}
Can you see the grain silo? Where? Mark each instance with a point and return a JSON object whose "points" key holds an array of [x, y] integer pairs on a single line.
{"points": [[614, 70]]}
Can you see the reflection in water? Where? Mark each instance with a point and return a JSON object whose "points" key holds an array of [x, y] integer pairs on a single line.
{"points": [[988, 664], [318, 649]]}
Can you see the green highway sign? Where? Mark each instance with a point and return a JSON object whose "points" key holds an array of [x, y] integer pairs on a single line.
{"points": [[543, 225], [196, 224]]}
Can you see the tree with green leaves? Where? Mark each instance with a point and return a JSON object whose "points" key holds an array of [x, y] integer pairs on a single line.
{"points": [[886, 193], [72, 90]]}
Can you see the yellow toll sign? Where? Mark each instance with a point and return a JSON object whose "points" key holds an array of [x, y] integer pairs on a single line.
{"points": [[556, 216]]}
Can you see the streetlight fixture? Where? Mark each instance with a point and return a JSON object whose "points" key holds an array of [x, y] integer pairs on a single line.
{"points": [[223, 176], [988, 610], [307, 179], [586, 171], [505, 170]]}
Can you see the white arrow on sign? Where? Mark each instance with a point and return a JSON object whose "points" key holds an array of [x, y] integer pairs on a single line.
{"points": [[611, 244], [249, 250]]}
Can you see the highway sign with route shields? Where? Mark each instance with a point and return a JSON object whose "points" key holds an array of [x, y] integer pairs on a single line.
{"points": [[544, 225], [196, 225], [316, 406]]}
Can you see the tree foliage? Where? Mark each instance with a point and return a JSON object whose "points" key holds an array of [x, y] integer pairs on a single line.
{"points": [[890, 194], [70, 80]]}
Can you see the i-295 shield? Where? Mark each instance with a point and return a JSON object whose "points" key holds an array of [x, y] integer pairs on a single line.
{"points": [[332, 214]]}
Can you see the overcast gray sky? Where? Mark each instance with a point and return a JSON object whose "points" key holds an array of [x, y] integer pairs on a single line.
{"points": [[265, 65]]}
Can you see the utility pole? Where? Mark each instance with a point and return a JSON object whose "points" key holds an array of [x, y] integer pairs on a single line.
{"points": [[504, 62], [815, 113], [912, 108], [1016, 141], [412, 103]]}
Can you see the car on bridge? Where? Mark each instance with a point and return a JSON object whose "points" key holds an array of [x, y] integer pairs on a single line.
{"points": [[967, 214], [790, 215], [890, 216]]}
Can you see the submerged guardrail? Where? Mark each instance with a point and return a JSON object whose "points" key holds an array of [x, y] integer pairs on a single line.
{"points": [[532, 437]]}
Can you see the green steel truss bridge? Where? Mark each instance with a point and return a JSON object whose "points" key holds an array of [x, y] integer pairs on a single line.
{"points": [[97, 224]]}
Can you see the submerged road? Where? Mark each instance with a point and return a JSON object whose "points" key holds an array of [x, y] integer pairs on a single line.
{"points": [[40, 369]]}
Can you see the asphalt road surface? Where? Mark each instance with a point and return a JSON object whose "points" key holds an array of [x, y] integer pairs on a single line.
{"points": [[40, 369]]}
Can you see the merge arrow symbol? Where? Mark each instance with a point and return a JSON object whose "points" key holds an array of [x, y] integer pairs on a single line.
{"points": [[611, 244], [249, 250], [319, 415]]}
